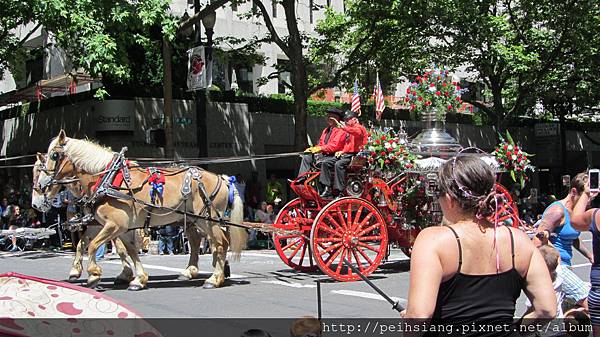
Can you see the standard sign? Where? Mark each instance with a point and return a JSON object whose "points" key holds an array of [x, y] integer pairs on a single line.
{"points": [[114, 115]]}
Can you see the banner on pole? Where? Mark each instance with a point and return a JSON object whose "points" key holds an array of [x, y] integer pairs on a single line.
{"points": [[197, 69]]}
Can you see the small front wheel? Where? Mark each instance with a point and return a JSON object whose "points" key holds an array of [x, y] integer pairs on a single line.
{"points": [[293, 249]]}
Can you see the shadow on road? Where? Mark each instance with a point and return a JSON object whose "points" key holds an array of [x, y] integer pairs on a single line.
{"points": [[162, 281]]}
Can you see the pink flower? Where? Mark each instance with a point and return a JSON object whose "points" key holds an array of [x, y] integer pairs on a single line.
{"points": [[437, 93]]}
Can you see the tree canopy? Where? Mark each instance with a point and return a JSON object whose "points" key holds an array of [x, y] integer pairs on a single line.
{"points": [[523, 51], [120, 39]]}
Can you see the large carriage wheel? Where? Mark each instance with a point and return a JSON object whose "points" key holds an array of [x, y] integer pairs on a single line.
{"points": [[349, 228], [293, 249], [508, 213]]}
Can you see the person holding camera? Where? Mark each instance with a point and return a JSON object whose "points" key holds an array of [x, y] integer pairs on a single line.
{"points": [[589, 219]]}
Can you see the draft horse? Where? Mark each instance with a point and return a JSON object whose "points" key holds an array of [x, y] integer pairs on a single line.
{"points": [[87, 234], [206, 194]]}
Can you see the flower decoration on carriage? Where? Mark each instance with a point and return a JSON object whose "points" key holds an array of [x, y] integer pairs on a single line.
{"points": [[434, 89], [386, 151], [513, 159]]}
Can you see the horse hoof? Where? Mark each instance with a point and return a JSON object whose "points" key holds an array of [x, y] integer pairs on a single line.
{"points": [[134, 287], [99, 289], [208, 285], [93, 284], [73, 279], [183, 278], [227, 270]]}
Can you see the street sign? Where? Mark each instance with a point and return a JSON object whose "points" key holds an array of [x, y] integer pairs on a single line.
{"points": [[197, 69]]}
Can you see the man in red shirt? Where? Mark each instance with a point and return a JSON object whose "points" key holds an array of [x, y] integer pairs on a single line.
{"points": [[356, 142], [332, 140]]}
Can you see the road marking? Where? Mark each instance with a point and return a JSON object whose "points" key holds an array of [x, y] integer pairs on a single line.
{"points": [[581, 265], [366, 295], [153, 266], [291, 284], [259, 255]]}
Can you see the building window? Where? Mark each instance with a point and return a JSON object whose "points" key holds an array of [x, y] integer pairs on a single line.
{"points": [[234, 6], [310, 10], [274, 8], [328, 3], [245, 78], [284, 76], [34, 70]]}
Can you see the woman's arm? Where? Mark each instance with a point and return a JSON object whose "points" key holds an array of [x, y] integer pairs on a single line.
{"points": [[539, 289], [581, 248], [548, 223], [581, 219], [425, 275]]}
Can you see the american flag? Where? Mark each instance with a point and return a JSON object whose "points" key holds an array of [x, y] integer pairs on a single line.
{"points": [[379, 102], [355, 99]]}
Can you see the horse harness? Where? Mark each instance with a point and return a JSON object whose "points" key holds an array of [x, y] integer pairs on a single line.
{"points": [[105, 188]]}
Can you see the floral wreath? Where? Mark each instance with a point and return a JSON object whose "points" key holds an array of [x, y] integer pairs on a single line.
{"points": [[434, 89], [388, 152], [513, 159]]}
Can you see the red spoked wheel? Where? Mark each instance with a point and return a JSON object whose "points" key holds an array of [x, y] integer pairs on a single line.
{"points": [[508, 213], [294, 249], [349, 228]]}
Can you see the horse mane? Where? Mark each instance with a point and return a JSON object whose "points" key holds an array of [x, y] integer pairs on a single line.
{"points": [[87, 155]]}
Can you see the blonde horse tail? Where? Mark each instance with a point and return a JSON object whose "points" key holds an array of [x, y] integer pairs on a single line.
{"points": [[238, 235]]}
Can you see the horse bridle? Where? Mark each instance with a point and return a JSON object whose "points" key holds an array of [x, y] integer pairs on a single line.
{"points": [[57, 157]]}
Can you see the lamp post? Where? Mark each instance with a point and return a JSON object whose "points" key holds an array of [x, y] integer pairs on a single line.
{"points": [[201, 110]]}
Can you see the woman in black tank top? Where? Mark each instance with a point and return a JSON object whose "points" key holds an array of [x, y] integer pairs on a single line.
{"points": [[467, 275]]}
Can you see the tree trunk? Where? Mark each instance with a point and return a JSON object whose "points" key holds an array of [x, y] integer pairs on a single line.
{"points": [[168, 99], [498, 107], [298, 75]]}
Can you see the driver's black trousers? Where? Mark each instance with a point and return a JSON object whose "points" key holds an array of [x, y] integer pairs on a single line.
{"points": [[336, 167]]}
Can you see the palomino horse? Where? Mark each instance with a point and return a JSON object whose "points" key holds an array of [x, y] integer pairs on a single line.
{"points": [[93, 228], [83, 161]]}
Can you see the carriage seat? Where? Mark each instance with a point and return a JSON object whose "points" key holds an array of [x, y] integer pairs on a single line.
{"points": [[357, 164]]}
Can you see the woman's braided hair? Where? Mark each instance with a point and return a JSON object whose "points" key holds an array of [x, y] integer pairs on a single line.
{"points": [[470, 181]]}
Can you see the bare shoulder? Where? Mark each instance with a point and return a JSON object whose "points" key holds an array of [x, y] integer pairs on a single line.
{"points": [[522, 240], [524, 249], [434, 236]]}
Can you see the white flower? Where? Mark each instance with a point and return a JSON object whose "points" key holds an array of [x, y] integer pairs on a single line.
{"points": [[510, 148], [394, 145], [371, 148], [387, 145], [514, 157], [432, 89]]}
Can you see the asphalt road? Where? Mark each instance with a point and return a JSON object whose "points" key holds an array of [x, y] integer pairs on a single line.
{"points": [[261, 286]]}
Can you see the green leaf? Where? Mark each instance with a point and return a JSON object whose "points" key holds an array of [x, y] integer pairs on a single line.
{"points": [[522, 182], [509, 137], [512, 175]]}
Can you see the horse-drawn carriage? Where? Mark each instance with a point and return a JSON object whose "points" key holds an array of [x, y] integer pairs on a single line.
{"points": [[377, 209]]}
